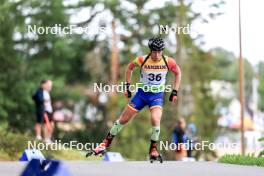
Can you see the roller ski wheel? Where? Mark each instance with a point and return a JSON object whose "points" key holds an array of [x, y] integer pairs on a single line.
{"points": [[100, 150], [153, 153], [94, 153], [156, 158]]}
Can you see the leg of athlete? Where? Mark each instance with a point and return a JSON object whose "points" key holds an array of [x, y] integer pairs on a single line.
{"points": [[156, 114], [124, 118], [127, 115]]}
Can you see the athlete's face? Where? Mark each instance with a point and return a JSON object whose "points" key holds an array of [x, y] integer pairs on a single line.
{"points": [[156, 55]]}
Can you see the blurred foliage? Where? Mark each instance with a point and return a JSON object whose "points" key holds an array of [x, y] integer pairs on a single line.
{"points": [[261, 153], [204, 105], [12, 146], [261, 85], [227, 68], [76, 61]]}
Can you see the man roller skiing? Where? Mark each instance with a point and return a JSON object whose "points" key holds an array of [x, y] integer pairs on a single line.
{"points": [[153, 70]]}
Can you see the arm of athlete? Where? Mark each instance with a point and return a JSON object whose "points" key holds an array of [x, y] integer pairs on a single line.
{"points": [[129, 70], [176, 84], [177, 80], [128, 75]]}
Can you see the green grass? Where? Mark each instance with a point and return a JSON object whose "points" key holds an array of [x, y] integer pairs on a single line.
{"points": [[12, 146], [242, 160], [69, 155]]}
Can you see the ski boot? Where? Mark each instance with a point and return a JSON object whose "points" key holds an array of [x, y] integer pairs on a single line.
{"points": [[154, 154], [101, 149]]}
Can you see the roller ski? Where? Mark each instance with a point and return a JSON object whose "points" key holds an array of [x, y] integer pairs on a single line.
{"points": [[154, 154], [101, 149]]}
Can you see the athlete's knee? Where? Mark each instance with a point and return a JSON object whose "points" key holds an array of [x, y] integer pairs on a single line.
{"points": [[126, 116], [155, 121], [156, 116]]}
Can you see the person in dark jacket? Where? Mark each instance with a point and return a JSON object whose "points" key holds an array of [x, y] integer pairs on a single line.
{"points": [[43, 110], [180, 138]]}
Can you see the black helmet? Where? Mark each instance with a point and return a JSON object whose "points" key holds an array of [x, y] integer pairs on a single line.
{"points": [[156, 44]]}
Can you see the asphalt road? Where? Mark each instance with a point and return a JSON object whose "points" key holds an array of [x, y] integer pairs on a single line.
{"points": [[143, 168]]}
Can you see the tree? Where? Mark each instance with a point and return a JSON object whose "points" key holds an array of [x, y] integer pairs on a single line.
{"points": [[261, 85], [227, 67]]}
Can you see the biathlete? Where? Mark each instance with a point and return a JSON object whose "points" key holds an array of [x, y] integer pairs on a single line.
{"points": [[153, 71]]}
